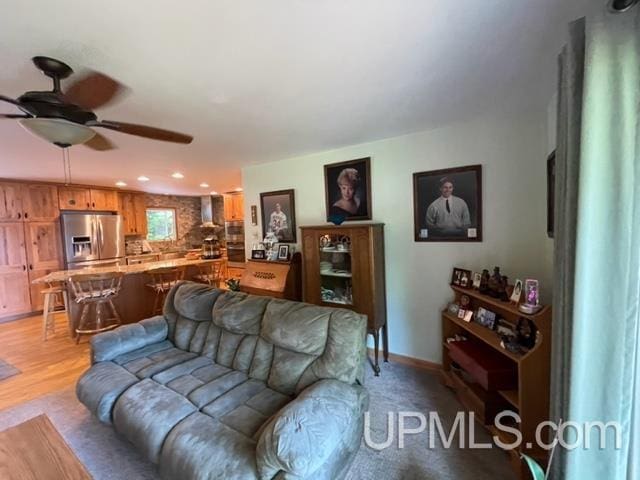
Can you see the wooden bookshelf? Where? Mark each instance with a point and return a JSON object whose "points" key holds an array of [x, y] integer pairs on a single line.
{"points": [[531, 399]]}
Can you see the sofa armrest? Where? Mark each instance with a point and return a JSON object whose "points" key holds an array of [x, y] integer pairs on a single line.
{"points": [[108, 345], [302, 436]]}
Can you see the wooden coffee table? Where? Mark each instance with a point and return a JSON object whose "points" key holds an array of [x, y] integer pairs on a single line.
{"points": [[35, 450]]}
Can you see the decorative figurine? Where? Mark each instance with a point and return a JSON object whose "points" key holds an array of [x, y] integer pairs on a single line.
{"points": [[484, 281], [502, 295], [494, 283]]}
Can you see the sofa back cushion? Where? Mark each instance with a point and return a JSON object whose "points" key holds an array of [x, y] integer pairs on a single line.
{"points": [[289, 345]]}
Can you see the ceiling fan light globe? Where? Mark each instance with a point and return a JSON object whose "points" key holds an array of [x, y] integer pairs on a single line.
{"points": [[57, 131]]}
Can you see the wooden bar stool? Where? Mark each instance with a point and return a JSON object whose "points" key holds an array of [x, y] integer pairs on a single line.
{"points": [[97, 290], [48, 311], [212, 272], [162, 280]]}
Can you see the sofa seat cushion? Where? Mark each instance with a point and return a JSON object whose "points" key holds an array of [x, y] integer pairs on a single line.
{"points": [[146, 413], [100, 386], [152, 359], [201, 447]]}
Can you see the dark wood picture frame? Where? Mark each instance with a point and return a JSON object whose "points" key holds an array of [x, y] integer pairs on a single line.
{"points": [[419, 209], [329, 174], [551, 195], [289, 210]]}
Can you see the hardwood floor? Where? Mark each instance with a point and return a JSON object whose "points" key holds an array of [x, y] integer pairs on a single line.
{"points": [[46, 366]]}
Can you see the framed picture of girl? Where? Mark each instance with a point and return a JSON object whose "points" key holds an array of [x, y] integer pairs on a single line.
{"points": [[348, 189], [278, 211]]}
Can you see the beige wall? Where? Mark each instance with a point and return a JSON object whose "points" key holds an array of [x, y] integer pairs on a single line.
{"points": [[512, 152]]}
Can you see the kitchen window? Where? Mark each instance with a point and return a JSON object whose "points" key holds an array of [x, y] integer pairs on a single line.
{"points": [[161, 224]]}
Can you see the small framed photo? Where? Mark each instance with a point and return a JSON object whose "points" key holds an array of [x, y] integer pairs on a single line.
{"points": [[486, 318], [517, 292], [283, 252], [461, 278], [447, 205], [348, 189], [468, 316], [477, 280], [461, 313], [258, 254]]}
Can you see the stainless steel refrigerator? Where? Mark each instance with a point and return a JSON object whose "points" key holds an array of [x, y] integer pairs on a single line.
{"points": [[92, 240]]}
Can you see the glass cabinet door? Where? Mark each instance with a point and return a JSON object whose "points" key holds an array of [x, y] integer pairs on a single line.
{"points": [[335, 269]]}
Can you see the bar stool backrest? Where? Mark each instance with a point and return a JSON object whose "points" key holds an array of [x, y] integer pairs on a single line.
{"points": [[95, 287], [165, 278], [212, 271]]}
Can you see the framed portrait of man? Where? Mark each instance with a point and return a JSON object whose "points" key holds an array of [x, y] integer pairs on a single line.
{"points": [[447, 205], [279, 215], [348, 189]]}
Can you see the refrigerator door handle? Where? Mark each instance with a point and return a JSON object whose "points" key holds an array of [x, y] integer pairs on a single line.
{"points": [[94, 238], [101, 233]]}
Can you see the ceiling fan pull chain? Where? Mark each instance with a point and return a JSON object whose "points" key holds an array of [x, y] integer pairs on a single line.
{"points": [[66, 166]]}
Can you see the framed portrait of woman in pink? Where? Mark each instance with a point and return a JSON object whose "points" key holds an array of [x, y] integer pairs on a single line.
{"points": [[348, 189]]}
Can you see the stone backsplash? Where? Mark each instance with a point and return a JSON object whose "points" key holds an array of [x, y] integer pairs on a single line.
{"points": [[188, 218]]}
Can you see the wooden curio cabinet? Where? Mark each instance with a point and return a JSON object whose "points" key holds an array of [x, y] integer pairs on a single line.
{"points": [[343, 266]]}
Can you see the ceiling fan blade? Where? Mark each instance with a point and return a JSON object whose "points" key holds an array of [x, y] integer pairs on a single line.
{"points": [[144, 131], [13, 115], [93, 90], [9, 100], [100, 143]]}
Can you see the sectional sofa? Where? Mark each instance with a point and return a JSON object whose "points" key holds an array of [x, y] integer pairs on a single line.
{"points": [[226, 385]]}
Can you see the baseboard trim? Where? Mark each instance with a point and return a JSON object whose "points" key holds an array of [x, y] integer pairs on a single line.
{"points": [[411, 361]]}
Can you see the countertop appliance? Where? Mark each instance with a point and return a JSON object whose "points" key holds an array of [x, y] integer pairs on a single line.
{"points": [[211, 248], [92, 240]]}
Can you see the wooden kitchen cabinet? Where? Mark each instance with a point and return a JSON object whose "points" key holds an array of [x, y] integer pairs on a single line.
{"points": [[133, 208], [233, 206], [44, 245], [14, 279], [140, 207], [10, 202], [78, 198], [44, 255], [40, 203], [106, 200], [74, 198]]}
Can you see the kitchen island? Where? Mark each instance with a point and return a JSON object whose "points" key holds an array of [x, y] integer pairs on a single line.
{"points": [[135, 301]]}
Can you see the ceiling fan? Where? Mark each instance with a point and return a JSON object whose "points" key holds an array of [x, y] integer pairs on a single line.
{"points": [[67, 118]]}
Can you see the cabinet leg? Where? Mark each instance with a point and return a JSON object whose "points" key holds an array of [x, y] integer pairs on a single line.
{"points": [[385, 343], [376, 351]]}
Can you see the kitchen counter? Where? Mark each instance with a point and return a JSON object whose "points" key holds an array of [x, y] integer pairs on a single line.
{"points": [[135, 300], [64, 275]]}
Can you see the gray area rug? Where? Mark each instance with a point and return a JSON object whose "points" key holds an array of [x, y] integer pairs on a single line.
{"points": [[399, 388], [7, 370]]}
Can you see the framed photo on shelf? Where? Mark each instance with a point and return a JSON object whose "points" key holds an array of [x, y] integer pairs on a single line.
{"points": [[283, 252], [517, 292], [258, 254], [278, 210], [461, 278], [486, 318], [447, 205], [477, 280], [348, 189]]}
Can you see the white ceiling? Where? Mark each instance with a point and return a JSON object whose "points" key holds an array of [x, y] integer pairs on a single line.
{"points": [[256, 81]]}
